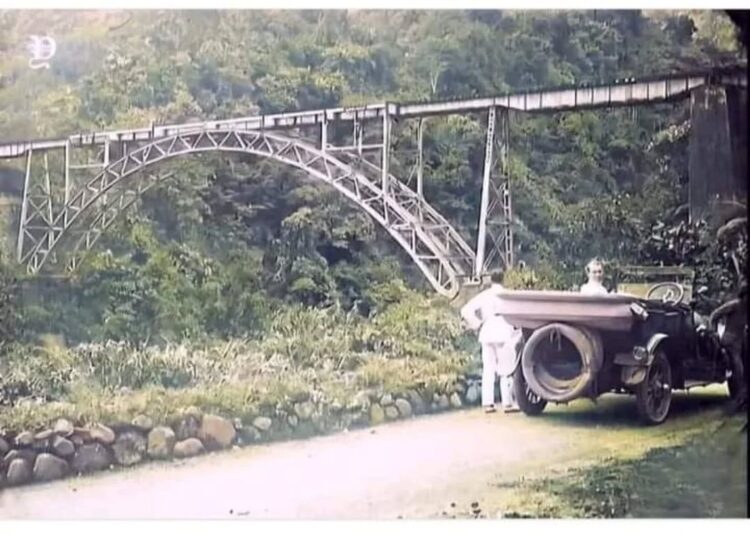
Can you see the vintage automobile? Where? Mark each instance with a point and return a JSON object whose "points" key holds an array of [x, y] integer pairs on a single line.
{"points": [[579, 346]]}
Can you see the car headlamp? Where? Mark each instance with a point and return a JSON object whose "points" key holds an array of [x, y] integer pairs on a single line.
{"points": [[640, 353]]}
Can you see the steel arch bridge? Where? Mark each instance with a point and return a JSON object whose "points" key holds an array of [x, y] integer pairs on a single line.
{"points": [[76, 187], [440, 253]]}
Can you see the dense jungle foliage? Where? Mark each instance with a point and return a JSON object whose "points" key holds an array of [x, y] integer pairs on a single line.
{"points": [[228, 242]]}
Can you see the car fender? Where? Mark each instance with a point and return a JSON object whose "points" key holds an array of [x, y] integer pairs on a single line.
{"points": [[632, 372], [653, 343], [628, 359]]}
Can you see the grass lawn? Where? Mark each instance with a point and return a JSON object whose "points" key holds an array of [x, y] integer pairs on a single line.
{"points": [[703, 476]]}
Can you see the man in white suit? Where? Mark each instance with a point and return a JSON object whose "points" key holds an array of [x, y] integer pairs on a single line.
{"points": [[498, 339]]}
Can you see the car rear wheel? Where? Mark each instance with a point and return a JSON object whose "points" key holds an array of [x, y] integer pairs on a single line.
{"points": [[654, 394], [529, 402]]}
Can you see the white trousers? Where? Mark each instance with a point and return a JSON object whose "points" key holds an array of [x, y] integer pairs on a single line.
{"points": [[497, 357]]}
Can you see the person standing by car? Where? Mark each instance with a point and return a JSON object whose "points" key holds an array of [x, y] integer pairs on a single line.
{"points": [[498, 340], [595, 272]]}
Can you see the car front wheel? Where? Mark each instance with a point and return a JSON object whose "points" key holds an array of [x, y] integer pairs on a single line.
{"points": [[654, 394]]}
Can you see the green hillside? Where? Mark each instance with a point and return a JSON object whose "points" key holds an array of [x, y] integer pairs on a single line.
{"points": [[228, 241]]}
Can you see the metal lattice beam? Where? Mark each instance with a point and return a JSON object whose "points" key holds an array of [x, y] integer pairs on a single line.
{"points": [[495, 232], [441, 254]]}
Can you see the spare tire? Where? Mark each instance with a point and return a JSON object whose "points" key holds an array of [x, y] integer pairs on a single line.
{"points": [[560, 361]]}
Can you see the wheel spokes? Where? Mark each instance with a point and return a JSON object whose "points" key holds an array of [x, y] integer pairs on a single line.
{"points": [[532, 396], [658, 389]]}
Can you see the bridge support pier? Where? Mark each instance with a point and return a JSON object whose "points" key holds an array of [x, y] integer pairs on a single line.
{"points": [[37, 212], [495, 234], [386, 155], [51, 177], [420, 158], [718, 150]]}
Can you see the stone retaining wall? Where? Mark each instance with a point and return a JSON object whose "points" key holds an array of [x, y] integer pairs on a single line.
{"points": [[65, 449]]}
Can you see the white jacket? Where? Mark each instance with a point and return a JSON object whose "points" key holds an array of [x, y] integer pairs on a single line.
{"points": [[482, 313], [593, 289]]}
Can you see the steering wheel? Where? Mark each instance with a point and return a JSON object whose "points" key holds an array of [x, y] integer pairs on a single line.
{"points": [[667, 292]]}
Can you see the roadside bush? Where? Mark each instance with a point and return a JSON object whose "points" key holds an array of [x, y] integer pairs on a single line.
{"points": [[539, 278], [399, 375], [310, 337], [39, 373], [414, 327], [332, 353], [116, 365], [7, 302]]}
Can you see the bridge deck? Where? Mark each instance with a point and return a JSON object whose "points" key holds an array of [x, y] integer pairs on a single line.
{"points": [[620, 93]]}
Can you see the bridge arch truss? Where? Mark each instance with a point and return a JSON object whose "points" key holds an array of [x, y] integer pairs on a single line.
{"points": [[87, 212]]}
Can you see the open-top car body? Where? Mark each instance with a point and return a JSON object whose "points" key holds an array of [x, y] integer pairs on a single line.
{"points": [[579, 346]]}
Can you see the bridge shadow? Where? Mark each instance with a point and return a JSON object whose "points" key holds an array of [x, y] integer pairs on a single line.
{"points": [[614, 410]]}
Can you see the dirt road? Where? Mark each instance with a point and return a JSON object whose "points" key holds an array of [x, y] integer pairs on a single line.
{"points": [[410, 469]]}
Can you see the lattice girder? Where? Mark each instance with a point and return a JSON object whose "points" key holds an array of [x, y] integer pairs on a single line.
{"points": [[437, 249]]}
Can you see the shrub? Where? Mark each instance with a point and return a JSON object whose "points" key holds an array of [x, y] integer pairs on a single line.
{"points": [[8, 298], [414, 342], [543, 278], [40, 373]]}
